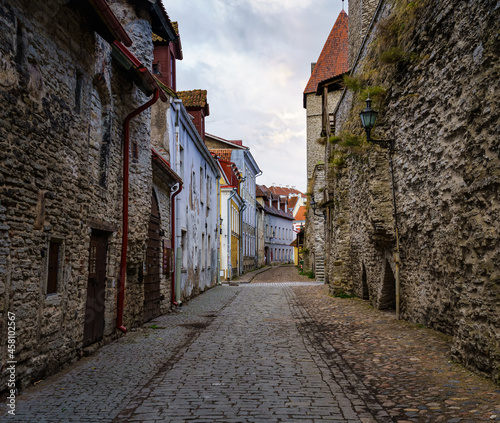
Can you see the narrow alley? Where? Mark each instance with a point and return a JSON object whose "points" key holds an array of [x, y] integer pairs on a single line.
{"points": [[277, 349]]}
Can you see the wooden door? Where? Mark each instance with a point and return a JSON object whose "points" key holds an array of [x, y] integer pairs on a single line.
{"points": [[152, 296], [96, 288]]}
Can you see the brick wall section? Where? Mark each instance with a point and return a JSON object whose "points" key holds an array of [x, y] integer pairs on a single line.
{"points": [[443, 114]]}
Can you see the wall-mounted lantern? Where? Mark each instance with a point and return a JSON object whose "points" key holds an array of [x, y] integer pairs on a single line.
{"points": [[368, 117], [314, 205]]}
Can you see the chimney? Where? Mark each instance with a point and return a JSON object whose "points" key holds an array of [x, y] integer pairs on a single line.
{"points": [[313, 65]]}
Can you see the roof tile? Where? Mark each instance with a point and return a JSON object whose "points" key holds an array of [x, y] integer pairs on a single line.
{"points": [[333, 58], [193, 98]]}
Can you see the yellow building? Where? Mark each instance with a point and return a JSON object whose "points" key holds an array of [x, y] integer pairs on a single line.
{"points": [[231, 207]]}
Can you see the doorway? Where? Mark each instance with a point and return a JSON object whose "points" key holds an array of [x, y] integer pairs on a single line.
{"points": [[96, 289]]}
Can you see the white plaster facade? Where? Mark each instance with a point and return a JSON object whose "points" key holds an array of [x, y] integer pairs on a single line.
{"points": [[196, 206], [231, 203], [245, 162]]}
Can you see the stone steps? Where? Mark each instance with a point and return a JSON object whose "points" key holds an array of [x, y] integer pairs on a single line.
{"points": [[320, 269]]}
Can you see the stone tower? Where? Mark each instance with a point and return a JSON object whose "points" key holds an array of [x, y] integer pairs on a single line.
{"points": [[331, 62]]}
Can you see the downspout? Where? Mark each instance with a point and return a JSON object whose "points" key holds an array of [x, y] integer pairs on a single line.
{"points": [[125, 188], [256, 239], [229, 263], [256, 228], [172, 217], [242, 267]]}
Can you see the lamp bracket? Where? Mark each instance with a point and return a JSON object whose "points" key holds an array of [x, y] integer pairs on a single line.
{"points": [[389, 144]]}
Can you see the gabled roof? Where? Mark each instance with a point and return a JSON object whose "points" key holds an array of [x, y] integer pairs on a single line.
{"points": [[259, 192], [301, 213], [333, 58], [292, 201], [193, 98], [230, 143], [224, 154], [284, 190]]}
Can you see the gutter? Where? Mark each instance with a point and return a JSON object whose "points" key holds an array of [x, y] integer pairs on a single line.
{"points": [[106, 14], [146, 83], [125, 190], [176, 271], [229, 264]]}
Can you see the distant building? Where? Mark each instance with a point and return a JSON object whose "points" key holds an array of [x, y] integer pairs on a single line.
{"points": [[278, 227], [231, 207], [243, 159], [331, 62]]}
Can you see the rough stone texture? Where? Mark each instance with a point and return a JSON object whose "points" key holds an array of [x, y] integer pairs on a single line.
{"points": [[62, 107], [317, 149], [360, 16], [442, 111]]}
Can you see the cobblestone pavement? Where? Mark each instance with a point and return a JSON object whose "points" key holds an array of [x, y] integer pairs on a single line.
{"points": [[408, 368], [286, 273], [267, 352]]}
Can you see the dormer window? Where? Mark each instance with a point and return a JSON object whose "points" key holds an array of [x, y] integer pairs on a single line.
{"points": [[156, 68]]}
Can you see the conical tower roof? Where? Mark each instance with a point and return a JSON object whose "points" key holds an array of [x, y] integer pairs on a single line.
{"points": [[333, 58]]}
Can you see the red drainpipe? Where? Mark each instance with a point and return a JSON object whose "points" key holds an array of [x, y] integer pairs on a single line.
{"points": [[172, 216], [123, 265]]}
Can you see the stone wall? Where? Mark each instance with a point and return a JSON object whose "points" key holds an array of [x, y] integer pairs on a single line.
{"points": [[442, 110], [360, 16], [62, 107]]}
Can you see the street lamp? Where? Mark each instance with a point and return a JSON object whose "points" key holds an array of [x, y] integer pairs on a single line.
{"points": [[368, 117], [314, 205]]}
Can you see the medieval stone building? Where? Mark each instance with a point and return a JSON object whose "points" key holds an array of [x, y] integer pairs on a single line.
{"points": [[331, 63], [76, 176], [416, 228]]}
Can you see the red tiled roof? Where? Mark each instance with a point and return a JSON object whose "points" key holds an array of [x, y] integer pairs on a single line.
{"points": [[224, 154], [292, 201], [283, 190], [193, 98], [175, 25], [333, 58], [259, 192], [301, 213]]}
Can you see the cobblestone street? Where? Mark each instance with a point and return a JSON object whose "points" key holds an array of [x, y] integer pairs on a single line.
{"points": [[267, 351]]}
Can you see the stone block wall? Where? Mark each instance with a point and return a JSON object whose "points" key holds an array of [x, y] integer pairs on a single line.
{"points": [[62, 107], [442, 110]]}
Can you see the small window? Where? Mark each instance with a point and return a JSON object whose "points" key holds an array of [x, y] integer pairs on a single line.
{"points": [[156, 68], [53, 271], [135, 150]]}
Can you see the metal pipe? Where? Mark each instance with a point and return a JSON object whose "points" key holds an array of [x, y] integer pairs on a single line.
{"points": [[242, 265], [125, 191], [229, 263], [172, 218]]}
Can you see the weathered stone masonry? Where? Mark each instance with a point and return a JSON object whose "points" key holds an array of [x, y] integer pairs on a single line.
{"points": [[63, 103], [442, 110]]}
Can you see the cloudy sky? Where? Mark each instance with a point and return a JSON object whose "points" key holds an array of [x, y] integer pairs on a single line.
{"points": [[254, 59]]}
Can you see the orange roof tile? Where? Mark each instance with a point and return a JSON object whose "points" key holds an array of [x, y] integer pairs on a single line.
{"points": [[301, 213], [333, 58], [193, 98], [292, 201], [283, 190], [224, 154]]}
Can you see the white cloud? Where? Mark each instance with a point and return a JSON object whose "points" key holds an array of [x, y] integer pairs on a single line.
{"points": [[253, 57]]}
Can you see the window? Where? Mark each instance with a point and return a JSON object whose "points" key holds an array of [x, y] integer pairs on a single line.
{"points": [[156, 68], [53, 270], [203, 251], [209, 250], [184, 248], [201, 185]]}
